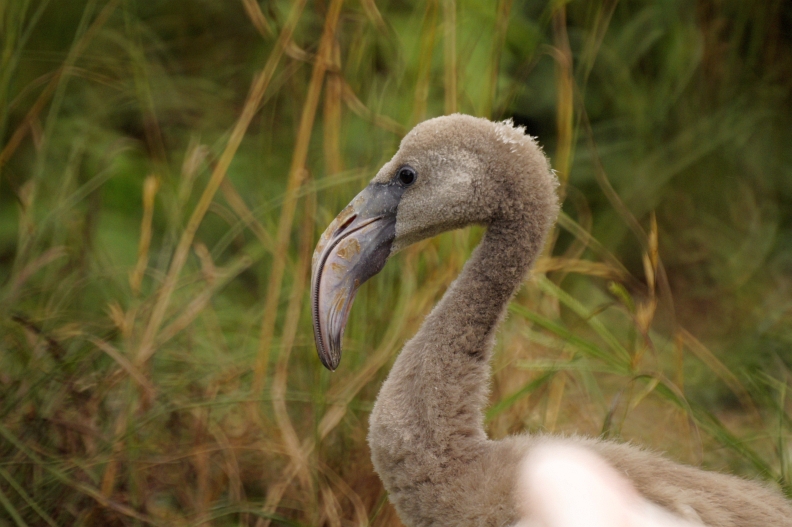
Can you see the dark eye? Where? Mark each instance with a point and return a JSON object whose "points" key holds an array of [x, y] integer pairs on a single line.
{"points": [[406, 176]]}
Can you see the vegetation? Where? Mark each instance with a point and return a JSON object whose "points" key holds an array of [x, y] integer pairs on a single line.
{"points": [[166, 168]]}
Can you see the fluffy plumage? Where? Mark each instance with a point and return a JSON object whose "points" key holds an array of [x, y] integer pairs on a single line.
{"points": [[562, 485], [426, 430]]}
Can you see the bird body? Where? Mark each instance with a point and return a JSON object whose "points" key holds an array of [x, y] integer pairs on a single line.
{"points": [[426, 432]]}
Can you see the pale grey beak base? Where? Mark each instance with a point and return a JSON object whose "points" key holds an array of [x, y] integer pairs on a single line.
{"points": [[353, 248]]}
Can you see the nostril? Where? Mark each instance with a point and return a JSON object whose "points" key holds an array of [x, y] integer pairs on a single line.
{"points": [[344, 225]]}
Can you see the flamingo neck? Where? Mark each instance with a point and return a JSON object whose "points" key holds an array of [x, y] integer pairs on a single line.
{"points": [[429, 414]]}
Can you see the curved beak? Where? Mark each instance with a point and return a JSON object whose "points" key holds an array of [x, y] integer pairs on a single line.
{"points": [[353, 248]]}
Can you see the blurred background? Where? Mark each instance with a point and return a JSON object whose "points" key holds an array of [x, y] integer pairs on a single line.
{"points": [[166, 168]]}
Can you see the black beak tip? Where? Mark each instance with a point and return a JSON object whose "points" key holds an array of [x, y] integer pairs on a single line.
{"points": [[330, 360], [329, 366]]}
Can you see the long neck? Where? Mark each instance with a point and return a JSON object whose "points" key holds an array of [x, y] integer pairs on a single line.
{"points": [[430, 408]]}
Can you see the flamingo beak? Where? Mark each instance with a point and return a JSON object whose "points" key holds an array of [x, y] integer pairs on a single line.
{"points": [[353, 248]]}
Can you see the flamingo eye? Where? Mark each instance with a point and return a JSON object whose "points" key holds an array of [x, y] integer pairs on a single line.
{"points": [[406, 176]]}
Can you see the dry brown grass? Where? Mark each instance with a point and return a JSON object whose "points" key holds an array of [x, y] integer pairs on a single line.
{"points": [[161, 371]]}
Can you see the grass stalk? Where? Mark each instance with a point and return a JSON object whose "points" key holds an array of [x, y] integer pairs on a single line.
{"points": [[83, 488], [554, 401], [345, 391], [718, 368], [450, 55], [361, 517], [27, 498], [358, 108], [11, 510], [501, 27], [293, 183], [146, 348], [55, 83], [150, 188], [564, 94], [257, 18], [426, 45], [291, 442], [241, 209], [331, 122]]}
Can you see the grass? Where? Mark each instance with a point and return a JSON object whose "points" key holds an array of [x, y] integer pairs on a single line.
{"points": [[166, 168]]}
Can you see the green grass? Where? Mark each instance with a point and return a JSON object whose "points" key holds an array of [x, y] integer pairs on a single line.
{"points": [[166, 168]]}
